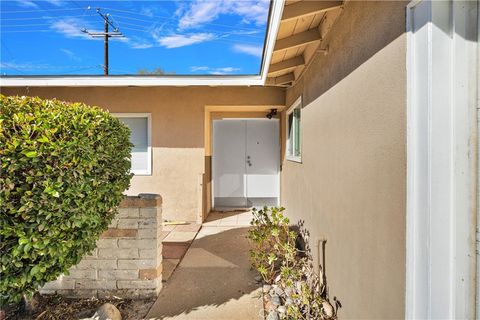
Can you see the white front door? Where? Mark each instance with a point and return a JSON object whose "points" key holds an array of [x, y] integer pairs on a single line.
{"points": [[245, 163]]}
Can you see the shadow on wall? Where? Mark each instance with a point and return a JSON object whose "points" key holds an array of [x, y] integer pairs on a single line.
{"points": [[213, 275], [359, 17], [348, 50]]}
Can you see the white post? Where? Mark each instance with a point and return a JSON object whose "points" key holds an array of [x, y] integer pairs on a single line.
{"points": [[441, 159]]}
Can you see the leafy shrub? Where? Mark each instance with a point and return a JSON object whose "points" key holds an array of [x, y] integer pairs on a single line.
{"points": [[273, 244], [64, 167], [289, 270]]}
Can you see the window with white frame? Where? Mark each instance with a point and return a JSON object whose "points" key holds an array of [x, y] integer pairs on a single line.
{"points": [[140, 137], [294, 134]]}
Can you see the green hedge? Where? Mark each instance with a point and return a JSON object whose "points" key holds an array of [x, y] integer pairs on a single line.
{"points": [[64, 167]]}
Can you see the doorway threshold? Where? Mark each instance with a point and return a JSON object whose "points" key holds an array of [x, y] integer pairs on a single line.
{"points": [[227, 209]]}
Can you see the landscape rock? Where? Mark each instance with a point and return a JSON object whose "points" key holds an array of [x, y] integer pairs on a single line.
{"points": [[107, 312], [276, 300], [269, 306], [278, 291], [272, 316], [282, 309], [288, 301], [327, 309]]}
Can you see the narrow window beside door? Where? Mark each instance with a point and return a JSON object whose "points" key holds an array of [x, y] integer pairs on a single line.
{"points": [[140, 126], [294, 142]]}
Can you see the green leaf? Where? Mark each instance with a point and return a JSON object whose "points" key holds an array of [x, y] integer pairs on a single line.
{"points": [[43, 139], [30, 154]]}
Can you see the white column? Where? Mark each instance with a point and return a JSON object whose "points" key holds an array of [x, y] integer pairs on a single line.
{"points": [[441, 183]]}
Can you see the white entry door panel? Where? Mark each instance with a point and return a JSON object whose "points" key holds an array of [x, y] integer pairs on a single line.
{"points": [[245, 163], [228, 162], [263, 150]]}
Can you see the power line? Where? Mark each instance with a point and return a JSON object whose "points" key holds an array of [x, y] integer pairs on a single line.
{"points": [[117, 10], [171, 18], [22, 31], [221, 39], [42, 10], [133, 29], [239, 33], [25, 25], [41, 18]]}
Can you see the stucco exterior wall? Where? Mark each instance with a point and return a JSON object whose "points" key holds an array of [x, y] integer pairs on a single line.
{"points": [[350, 186], [177, 132]]}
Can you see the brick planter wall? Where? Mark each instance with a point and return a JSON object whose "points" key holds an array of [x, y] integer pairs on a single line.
{"points": [[128, 259]]}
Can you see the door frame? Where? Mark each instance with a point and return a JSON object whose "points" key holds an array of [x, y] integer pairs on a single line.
{"points": [[251, 117], [442, 160], [228, 111]]}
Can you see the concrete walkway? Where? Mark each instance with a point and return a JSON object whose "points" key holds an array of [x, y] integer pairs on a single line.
{"points": [[214, 279]]}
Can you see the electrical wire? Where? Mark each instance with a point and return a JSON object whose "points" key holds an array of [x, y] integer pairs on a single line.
{"points": [[40, 18], [239, 33], [221, 39], [24, 31], [41, 10], [115, 10], [171, 18], [25, 25]]}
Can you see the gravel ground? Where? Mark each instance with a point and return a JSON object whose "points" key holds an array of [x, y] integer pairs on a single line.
{"points": [[59, 308]]}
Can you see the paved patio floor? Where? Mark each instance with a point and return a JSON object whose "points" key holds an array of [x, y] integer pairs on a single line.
{"points": [[214, 279]]}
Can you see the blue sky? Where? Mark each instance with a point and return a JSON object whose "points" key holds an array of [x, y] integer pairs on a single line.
{"points": [[183, 37]]}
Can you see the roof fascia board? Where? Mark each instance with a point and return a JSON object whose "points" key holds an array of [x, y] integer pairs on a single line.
{"points": [[114, 81], [274, 25]]}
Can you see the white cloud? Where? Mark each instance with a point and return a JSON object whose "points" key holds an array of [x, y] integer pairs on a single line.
{"points": [[57, 3], [71, 55], [135, 42], [205, 11], [216, 71], [146, 11], [193, 69], [182, 40], [71, 28], [200, 12], [141, 45], [27, 4], [249, 49], [253, 11]]}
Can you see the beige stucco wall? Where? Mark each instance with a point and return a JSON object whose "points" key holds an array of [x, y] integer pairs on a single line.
{"points": [[177, 132], [350, 188]]}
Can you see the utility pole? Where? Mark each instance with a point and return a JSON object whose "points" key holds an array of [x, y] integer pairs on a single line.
{"points": [[105, 47], [105, 35]]}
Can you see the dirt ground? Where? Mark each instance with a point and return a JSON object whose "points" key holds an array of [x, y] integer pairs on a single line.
{"points": [[59, 308]]}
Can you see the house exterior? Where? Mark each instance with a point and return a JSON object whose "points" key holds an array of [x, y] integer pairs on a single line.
{"points": [[378, 105]]}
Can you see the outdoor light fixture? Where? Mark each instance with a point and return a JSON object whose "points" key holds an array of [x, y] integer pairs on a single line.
{"points": [[272, 113]]}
